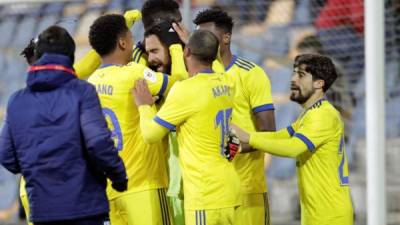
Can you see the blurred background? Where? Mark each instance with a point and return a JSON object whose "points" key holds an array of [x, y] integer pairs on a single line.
{"points": [[267, 32]]}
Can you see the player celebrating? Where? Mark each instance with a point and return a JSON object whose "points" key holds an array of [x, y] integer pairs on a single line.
{"points": [[316, 140], [144, 202], [253, 111], [199, 108], [153, 13], [157, 41]]}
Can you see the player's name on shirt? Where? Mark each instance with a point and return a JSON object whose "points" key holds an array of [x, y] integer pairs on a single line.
{"points": [[222, 90], [104, 89]]}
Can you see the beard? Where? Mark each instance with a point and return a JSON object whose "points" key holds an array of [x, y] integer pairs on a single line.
{"points": [[159, 67], [298, 96]]}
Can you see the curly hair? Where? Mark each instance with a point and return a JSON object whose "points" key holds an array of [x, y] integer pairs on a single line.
{"points": [[29, 52], [320, 67], [220, 18], [155, 11], [105, 31]]}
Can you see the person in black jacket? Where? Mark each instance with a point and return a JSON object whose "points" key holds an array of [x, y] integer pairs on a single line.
{"points": [[55, 134]]}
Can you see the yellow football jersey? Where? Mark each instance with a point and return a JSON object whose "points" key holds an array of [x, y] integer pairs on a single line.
{"points": [[22, 190], [138, 55], [253, 94], [145, 164], [322, 171], [200, 110]]}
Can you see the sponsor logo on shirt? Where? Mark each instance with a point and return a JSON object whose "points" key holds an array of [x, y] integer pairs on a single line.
{"points": [[150, 75]]}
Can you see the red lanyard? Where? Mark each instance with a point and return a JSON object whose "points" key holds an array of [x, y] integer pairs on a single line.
{"points": [[52, 67]]}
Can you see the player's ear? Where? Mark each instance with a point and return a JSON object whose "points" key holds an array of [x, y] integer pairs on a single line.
{"points": [[226, 38], [319, 84], [186, 52], [122, 43]]}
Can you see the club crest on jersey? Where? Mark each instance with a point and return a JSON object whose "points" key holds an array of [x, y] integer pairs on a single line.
{"points": [[150, 75]]}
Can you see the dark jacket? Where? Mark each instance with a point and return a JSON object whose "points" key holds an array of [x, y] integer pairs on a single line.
{"points": [[56, 136]]}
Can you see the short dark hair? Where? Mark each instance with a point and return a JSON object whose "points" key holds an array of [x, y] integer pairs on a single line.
{"points": [[154, 30], [320, 67], [57, 40], [29, 52], [203, 45], [220, 18], [105, 31], [310, 42], [155, 11]]}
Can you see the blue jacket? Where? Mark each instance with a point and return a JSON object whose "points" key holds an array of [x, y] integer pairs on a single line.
{"points": [[55, 135]]}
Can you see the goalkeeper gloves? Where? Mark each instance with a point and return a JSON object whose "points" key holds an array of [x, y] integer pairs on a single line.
{"points": [[131, 17], [120, 186], [167, 34], [232, 146]]}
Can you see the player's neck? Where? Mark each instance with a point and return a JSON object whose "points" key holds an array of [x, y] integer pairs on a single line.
{"points": [[197, 67], [313, 99], [114, 59], [226, 56]]}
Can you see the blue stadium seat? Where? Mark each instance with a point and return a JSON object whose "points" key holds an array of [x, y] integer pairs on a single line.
{"points": [[8, 28], [8, 189], [116, 5], [302, 14], [46, 21], [25, 31]]}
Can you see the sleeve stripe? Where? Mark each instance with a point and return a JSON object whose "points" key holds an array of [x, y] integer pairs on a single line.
{"points": [[244, 62], [290, 130], [164, 84], [306, 141], [243, 66], [265, 107], [139, 56], [136, 52], [164, 123], [231, 63]]}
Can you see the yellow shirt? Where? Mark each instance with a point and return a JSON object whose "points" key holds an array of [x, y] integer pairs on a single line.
{"points": [[253, 94], [322, 171], [200, 109], [145, 164]]}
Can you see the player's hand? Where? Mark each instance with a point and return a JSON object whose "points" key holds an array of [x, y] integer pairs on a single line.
{"points": [[232, 146], [243, 136], [167, 34], [142, 94], [120, 186], [182, 32], [131, 16]]}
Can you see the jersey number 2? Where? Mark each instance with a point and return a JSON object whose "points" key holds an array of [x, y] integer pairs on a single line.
{"points": [[222, 120], [113, 124]]}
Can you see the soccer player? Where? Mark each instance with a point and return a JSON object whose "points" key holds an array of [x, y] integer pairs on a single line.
{"points": [[144, 202], [316, 140], [154, 53], [56, 136], [253, 111], [199, 109], [159, 59], [153, 13]]}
